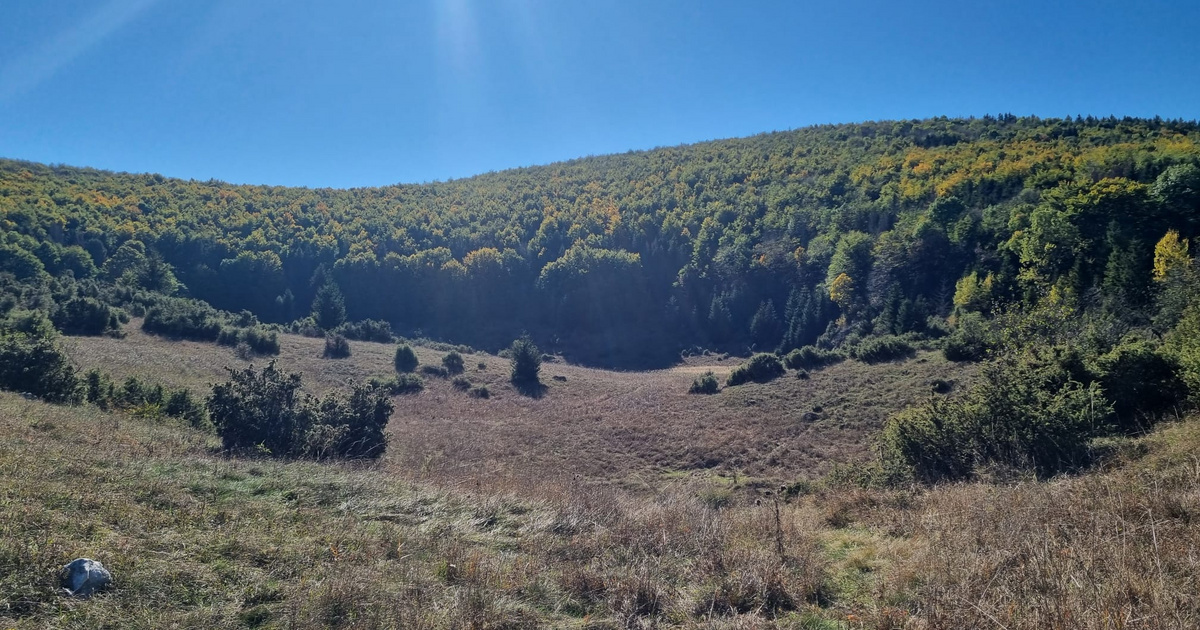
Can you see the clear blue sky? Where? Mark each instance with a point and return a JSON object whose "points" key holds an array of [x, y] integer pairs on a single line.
{"points": [[373, 92]]}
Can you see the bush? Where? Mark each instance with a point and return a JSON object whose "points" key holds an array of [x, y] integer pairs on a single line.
{"points": [[99, 389], [480, 391], [462, 383], [435, 370], [336, 347], [183, 319], [1140, 381], [406, 359], [705, 384], [261, 340], [182, 404], [85, 316], [1026, 413], [526, 362], [880, 349], [971, 340], [399, 384], [264, 410], [228, 337], [37, 364], [812, 358], [367, 330], [761, 368], [453, 362]]}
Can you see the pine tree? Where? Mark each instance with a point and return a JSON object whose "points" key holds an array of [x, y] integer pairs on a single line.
{"points": [[765, 327], [329, 308]]}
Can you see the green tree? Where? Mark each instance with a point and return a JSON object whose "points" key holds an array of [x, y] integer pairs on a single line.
{"points": [[329, 308], [526, 362]]}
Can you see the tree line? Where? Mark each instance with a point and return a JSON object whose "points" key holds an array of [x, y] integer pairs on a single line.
{"points": [[823, 235]]}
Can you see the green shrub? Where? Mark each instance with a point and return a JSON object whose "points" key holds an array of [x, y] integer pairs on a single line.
{"points": [[85, 316], [367, 330], [336, 347], [183, 319], [182, 404], [1026, 413], [705, 384], [461, 383], [526, 361], [229, 336], [453, 362], [399, 384], [265, 411], [1140, 381], [479, 391], [36, 364], [261, 340], [435, 370], [99, 389], [812, 358], [971, 340], [761, 368], [406, 359], [880, 349]]}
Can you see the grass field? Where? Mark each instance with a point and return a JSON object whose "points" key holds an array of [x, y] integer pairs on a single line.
{"points": [[631, 429], [198, 540], [609, 502]]}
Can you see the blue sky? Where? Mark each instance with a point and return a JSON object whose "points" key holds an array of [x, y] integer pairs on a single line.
{"points": [[374, 92]]}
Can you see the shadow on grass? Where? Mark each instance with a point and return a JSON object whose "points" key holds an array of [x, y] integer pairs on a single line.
{"points": [[532, 389]]}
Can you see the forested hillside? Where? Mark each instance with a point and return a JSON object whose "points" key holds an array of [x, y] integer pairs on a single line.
{"points": [[820, 235]]}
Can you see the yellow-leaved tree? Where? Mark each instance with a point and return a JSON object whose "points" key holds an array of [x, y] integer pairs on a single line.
{"points": [[1170, 255]]}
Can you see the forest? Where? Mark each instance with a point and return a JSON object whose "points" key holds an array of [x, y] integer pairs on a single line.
{"points": [[823, 236]]}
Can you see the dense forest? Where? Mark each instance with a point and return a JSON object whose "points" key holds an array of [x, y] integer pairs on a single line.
{"points": [[824, 235]]}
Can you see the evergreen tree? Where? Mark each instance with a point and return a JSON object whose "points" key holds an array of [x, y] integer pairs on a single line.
{"points": [[329, 308], [526, 362], [765, 327]]}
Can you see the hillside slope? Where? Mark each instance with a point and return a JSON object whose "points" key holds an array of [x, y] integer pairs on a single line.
{"points": [[626, 259]]}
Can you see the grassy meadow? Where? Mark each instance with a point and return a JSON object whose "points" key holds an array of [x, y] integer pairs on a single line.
{"points": [[615, 500]]}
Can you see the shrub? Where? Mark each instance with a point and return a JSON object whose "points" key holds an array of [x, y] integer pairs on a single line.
{"points": [[479, 391], [399, 384], [265, 410], [1026, 413], [85, 316], [1140, 381], [349, 427], [98, 389], [812, 358], [880, 349], [36, 364], [761, 368], [453, 362], [526, 361], [182, 404], [406, 359], [435, 370], [971, 340], [228, 336], [462, 383], [367, 330], [184, 319], [336, 347], [261, 340], [705, 384]]}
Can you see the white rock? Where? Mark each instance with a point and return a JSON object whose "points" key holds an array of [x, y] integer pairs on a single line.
{"points": [[83, 577]]}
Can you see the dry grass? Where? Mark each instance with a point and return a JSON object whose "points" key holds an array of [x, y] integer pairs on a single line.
{"points": [[513, 512], [197, 540], [636, 430]]}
